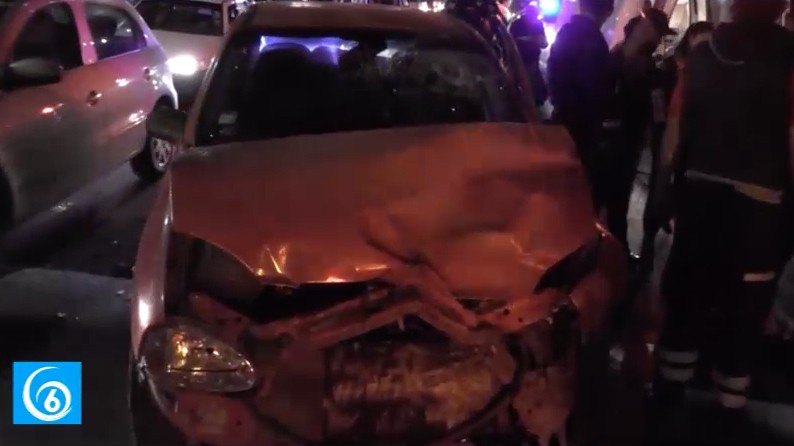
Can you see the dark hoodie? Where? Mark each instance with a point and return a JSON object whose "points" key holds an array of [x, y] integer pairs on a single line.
{"points": [[579, 77], [737, 105]]}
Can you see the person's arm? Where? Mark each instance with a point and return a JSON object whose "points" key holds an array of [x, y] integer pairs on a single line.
{"points": [[668, 154], [539, 35], [555, 73], [670, 143], [559, 69]]}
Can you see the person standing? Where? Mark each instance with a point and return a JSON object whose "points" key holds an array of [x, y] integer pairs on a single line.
{"points": [[666, 78], [482, 15], [579, 82], [729, 144], [636, 74], [486, 18], [530, 36]]}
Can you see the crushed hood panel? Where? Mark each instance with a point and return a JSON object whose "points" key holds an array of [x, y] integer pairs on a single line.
{"points": [[487, 206]]}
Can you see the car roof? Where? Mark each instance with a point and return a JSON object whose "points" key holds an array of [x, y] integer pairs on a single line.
{"points": [[353, 16]]}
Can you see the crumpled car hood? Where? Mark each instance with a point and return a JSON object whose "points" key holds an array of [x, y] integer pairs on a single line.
{"points": [[487, 206]]}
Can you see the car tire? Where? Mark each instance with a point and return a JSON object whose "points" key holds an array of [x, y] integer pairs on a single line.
{"points": [[149, 426], [151, 163]]}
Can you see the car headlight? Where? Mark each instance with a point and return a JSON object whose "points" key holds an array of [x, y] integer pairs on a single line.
{"points": [[188, 357], [184, 65]]}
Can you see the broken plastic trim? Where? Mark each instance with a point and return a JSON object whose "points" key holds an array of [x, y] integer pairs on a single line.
{"points": [[568, 272]]}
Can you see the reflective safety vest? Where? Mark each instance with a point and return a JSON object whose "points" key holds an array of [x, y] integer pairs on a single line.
{"points": [[737, 106]]}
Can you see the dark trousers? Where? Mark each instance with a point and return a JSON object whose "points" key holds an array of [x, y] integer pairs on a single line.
{"points": [[587, 137], [650, 223], [719, 279], [620, 169]]}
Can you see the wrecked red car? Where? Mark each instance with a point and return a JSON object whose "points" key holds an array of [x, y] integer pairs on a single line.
{"points": [[366, 242]]}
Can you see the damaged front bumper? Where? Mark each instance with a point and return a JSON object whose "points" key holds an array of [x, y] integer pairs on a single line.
{"points": [[407, 365]]}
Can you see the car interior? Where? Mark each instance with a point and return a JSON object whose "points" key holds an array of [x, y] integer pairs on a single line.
{"points": [[291, 89], [109, 36], [48, 37]]}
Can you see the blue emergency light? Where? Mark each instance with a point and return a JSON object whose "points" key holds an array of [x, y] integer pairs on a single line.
{"points": [[549, 8]]}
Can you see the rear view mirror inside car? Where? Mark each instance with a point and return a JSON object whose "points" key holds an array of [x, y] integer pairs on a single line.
{"points": [[167, 124]]}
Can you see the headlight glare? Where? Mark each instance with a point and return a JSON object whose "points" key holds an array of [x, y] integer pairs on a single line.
{"points": [[183, 65], [188, 357]]}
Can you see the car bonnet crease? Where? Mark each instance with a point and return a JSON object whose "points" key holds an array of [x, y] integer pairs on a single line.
{"points": [[488, 207]]}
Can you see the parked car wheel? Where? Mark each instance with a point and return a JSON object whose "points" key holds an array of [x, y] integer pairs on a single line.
{"points": [[153, 160], [149, 426]]}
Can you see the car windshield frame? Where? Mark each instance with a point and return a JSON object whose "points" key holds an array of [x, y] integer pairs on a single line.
{"points": [[182, 26], [473, 47]]}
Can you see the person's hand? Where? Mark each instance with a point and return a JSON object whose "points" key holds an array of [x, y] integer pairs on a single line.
{"points": [[788, 20], [662, 208], [668, 226]]}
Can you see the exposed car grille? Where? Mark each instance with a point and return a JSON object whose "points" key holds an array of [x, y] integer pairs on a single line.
{"points": [[412, 387], [280, 302]]}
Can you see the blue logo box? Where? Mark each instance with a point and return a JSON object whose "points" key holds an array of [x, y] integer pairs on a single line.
{"points": [[47, 393]]}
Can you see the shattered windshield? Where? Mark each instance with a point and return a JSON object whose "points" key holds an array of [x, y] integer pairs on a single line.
{"points": [[270, 86], [189, 17]]}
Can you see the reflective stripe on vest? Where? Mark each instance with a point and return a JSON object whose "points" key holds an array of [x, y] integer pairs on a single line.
{"points": [[753, 191]]}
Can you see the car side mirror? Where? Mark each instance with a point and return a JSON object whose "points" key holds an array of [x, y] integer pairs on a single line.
{"points": [[32, 72], [167, 124]]}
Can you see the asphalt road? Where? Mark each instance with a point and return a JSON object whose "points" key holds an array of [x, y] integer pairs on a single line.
{"points": [[96, 231], [64, 296]]}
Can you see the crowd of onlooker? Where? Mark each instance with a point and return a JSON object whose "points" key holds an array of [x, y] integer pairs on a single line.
{"points": [[717, 118]]}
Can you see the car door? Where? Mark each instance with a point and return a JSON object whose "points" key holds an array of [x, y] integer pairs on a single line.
{"points": [[47, 132], [125, 75]]}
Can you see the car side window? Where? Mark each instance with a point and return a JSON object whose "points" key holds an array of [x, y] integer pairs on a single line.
{"points": [[50, 33], [113, 30]]}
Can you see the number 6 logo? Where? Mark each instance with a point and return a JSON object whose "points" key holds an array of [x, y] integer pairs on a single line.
{"points": [[52, 404]]}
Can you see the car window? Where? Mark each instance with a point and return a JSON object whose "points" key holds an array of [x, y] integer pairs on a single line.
{"points": [[269, 86], [183, 16], [113, 31], [50, 33]]}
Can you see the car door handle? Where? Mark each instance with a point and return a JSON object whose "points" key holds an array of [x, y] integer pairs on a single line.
{"points": [[93, 97], [148, 74]]}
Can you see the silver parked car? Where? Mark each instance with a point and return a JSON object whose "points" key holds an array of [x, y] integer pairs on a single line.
{"points": [[77, 81]]}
